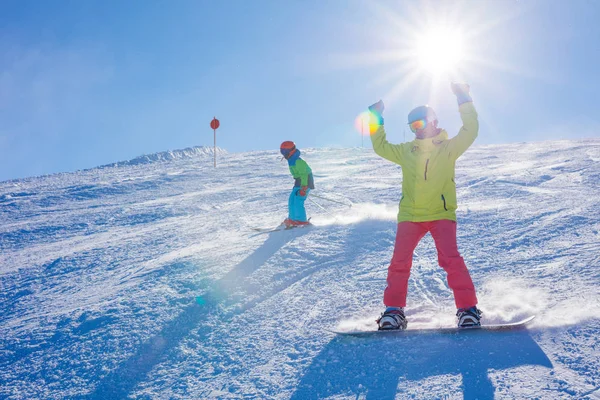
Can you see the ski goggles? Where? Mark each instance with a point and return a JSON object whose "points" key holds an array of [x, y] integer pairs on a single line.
{"points": [[419, 124], [287, 152]]}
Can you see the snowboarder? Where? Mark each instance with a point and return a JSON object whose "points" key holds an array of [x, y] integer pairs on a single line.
{"points": [[428, 204], [304, 182]]}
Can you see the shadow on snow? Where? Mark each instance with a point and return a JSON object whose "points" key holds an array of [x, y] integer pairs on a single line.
{"points": [[377, 368], [120, 382]]}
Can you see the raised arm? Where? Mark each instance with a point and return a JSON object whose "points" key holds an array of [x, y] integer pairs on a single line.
{"points": [[470, 129], [383, 148]]}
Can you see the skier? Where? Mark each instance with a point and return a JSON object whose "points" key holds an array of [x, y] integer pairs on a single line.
{"points": [[428, 204], [304, 182]]}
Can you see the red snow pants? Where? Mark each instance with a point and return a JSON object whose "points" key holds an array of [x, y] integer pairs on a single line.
{"points": [[444, 235]]}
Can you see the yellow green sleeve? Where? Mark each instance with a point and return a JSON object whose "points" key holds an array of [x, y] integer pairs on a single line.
{"points": [[467, 134], [383, 148]]}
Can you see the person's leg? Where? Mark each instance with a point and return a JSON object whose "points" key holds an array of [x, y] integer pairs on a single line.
{"points": [[300, 209], [459, 279], [407, 237], [292, 204]]}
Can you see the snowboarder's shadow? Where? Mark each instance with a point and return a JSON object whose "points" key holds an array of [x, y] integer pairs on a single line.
{"points": [[120, 382], [377, 367]]}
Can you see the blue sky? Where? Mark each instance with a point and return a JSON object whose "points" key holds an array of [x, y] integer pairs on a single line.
{"points": [[86, 83]]}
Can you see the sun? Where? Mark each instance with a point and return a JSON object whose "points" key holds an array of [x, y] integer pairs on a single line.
{"points": [[421, 46], [439, 51]]}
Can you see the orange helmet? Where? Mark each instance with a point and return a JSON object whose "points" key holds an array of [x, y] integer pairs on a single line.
{"points": [[287, 148]]}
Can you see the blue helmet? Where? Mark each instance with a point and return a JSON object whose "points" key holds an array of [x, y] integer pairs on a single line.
{"points": [[421, 112]]}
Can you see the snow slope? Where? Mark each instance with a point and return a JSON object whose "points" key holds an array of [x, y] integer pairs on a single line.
{"points": [[146, 281]]}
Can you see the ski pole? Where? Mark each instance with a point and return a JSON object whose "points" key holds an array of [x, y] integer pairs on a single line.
{"points": [[333, 201], [322, 208]]}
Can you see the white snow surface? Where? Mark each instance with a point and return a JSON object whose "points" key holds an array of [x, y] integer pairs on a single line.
{"points": [[147, 282]]}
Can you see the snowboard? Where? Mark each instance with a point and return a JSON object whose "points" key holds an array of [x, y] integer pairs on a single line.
{"points": [[452, 330]]}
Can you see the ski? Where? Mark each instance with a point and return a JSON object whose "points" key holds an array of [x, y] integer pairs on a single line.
{"points": [[452, 330], [267, 230], [281, 227]]}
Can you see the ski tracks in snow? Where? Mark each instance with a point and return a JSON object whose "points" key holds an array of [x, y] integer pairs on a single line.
{"points": [[143, 282]]}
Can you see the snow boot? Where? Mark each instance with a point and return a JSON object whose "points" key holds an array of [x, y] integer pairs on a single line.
{"points": [[292, 223], [469, 317], [392, 318]]}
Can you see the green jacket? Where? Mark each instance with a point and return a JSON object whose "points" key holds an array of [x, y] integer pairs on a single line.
{"points": [[301, 173], [428, 187]]}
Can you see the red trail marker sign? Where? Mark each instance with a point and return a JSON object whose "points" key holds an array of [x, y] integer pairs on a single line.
{"points": [[214, 124]]}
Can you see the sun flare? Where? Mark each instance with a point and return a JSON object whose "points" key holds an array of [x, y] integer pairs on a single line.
{"points": [[439, 51], [419, 47]]}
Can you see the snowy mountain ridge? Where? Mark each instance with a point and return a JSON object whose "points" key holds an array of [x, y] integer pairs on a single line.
{"points": [[170, 155], [147, 281]]}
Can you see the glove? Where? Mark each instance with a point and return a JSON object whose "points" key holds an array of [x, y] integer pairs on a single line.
{"points": [[377, 111], [461, 91], [377, 108], [302, 191]]}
